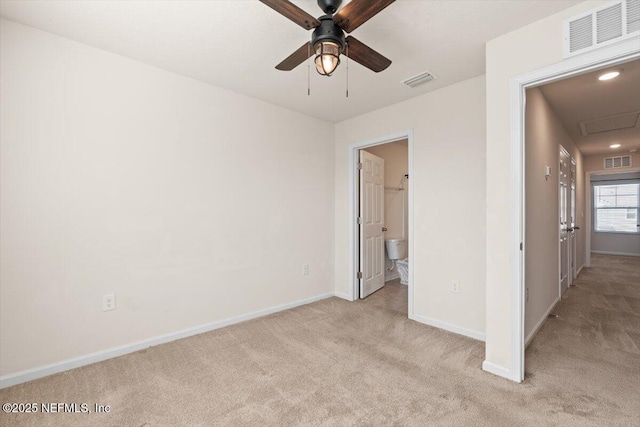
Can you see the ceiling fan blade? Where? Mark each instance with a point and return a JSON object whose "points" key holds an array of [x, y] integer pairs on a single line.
{"points": [[296, 58], [293, 12], [364, 55], [358, 12]]}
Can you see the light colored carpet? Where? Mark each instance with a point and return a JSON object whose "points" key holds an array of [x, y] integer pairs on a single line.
{"points": [[393, 296], [364, 363]]}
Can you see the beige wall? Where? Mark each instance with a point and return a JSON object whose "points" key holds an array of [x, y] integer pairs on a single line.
{"points": [[543, 132], [396, 165], [191, 203], [449, 206], [615, 243], [595, 163], [526, 49]]}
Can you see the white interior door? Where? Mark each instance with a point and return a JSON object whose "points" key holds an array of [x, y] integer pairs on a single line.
{"points": [[564, 182], [371, 223]]}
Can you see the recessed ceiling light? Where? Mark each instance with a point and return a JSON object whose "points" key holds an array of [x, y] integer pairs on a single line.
{"points": [[615, 146], [610, 75]]}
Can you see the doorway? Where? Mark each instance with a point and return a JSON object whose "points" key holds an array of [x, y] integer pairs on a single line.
{"points": [[381, 209], [605, 58]]}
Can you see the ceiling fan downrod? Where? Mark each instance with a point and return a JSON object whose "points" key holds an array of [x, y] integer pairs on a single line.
{"points": [[329, 6]]}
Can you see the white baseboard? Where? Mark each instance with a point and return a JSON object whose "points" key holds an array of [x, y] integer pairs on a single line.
{"points": [[99, 356], [538, 325], [343, 296], [392, 276], [448, 327], [615, 253], [496, 370], [579, 270]]}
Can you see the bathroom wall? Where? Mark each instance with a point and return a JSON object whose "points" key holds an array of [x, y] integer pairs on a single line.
{"points": [[191, 203], [396, 165]]}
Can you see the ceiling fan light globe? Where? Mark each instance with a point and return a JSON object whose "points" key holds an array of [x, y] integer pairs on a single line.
{"points": [[327, 57], [327, 64]]}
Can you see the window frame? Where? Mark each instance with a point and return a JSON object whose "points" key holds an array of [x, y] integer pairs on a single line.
{"points": [[594, 210]]}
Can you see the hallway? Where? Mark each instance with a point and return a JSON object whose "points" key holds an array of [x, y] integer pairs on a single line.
{"points": [[593, 346]]}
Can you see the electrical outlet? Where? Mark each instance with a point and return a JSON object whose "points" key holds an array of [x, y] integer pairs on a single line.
{"points": [[305, 270], [526, 293], [109, 302], [455, 286]]}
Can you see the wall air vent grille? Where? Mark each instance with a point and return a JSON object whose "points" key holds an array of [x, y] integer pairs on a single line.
{"points": [[617, 162], [420, 79], [581, 33], [606, 24], [609, 23], [633, 16]]}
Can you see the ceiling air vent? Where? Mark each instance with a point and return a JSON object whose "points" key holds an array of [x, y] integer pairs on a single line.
{"points": [[607, 24], [617, 162], [420, 79]]}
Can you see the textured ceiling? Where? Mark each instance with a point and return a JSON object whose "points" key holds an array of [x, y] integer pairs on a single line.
{"points": [[236, 44], [585, 98]]}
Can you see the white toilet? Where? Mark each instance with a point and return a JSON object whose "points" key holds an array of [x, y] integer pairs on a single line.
{"points": [[397, 252]]}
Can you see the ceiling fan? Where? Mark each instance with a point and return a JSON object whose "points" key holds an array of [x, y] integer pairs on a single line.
{"points": [[328, 41]]}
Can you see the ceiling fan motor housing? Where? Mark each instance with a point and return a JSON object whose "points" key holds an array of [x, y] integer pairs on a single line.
{"points": [[328, 31], [328, 40], [329, 6]]}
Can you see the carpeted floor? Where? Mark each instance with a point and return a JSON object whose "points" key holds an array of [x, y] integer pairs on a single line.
{"points": [[393, 296], [364, 363]]}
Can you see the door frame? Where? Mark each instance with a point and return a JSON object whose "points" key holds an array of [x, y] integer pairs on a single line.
{"points": [[573, 181], [353, 203], [561, 150], [605, 56]]}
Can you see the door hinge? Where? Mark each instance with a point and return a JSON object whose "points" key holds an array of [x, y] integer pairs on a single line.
{"points": [[359, 220], [359, 166], [359, 275], [520, 245]]}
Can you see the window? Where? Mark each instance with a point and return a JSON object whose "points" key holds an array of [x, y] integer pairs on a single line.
{"points": [[616, 207]]}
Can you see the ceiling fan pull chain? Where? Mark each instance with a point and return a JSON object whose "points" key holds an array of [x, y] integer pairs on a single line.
{"points": [[347, 70], [308, 69]]}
